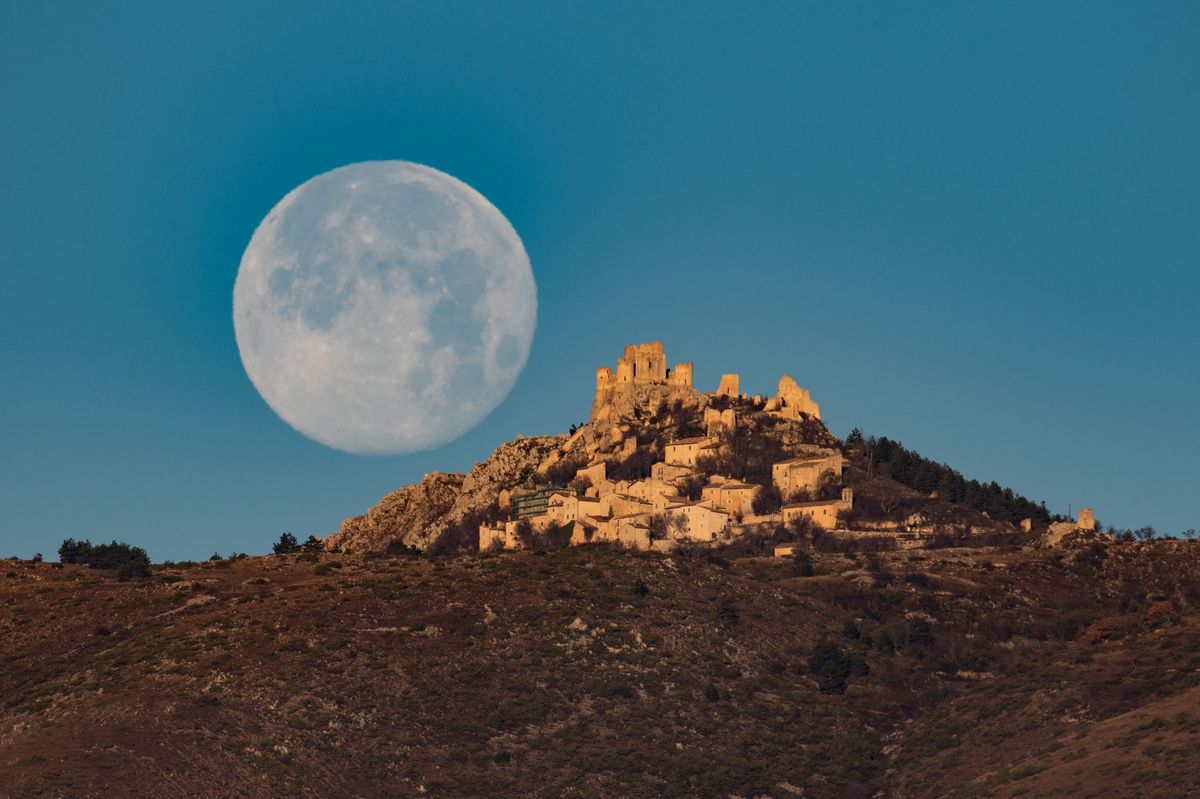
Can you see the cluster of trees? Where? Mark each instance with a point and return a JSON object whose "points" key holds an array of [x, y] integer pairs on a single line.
{"points": [[889, 457], [128, 562], [288, 545]]}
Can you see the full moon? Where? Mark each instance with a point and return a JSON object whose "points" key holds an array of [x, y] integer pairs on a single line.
{"points": [[384, 307]]}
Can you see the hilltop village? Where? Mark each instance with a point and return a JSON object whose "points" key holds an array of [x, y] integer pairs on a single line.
{"points": [[685, 499], [662, 510]]}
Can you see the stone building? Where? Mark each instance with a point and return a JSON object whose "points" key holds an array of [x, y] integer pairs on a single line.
{"points": [[669, 472], [701, 523], [566, 507], [685, 451], [805, 472], [824, 513], [732, 496]]}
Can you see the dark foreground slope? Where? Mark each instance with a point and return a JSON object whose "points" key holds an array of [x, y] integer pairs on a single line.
{"points": [[599, 673]]}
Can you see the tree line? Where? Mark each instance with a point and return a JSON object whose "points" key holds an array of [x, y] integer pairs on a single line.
{"points": [[885, 456]]}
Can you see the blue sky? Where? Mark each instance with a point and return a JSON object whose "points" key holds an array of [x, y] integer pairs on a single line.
{"points": [[972, 229]]}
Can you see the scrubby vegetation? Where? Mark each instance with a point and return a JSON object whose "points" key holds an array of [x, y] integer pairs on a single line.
{"points": [[599, 672]]}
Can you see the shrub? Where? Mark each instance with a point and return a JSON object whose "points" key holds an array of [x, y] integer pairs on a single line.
{"points": [[563, 471], [850, 631], [919, 632], [462, 535], [37, 557], [711, 693], [133, 570], [525, 534], [831, 666], [557, 536], [767, 500], [640, 588], [1160, 613], [802, 565], [312, 544], [1090, 559], [728, 613]]}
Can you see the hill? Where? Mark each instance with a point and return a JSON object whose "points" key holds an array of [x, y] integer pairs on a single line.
{"points": [[595, 671], [723, 464]]}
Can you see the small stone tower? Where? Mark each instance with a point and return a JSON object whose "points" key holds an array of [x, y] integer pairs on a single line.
{"points": [[1087, 519]]}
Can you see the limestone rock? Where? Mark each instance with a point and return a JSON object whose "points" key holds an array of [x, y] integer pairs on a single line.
{"points": [[510, 465], [409, 516], [417, 514]]}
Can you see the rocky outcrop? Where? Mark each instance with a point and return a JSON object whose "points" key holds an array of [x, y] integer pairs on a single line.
{"points": [[511, 465], [416, 515], [411, 516]]}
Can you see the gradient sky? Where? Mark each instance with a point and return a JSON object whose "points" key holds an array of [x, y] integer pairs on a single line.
{"points": [[974, 230]]}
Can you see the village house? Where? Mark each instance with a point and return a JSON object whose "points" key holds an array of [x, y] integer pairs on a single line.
{"points": [[732, 496], [700, 522], [686, 451], [806, 472], [824, 513]]}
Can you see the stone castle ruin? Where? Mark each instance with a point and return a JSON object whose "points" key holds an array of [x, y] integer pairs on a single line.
{"points": [[641, 365]]}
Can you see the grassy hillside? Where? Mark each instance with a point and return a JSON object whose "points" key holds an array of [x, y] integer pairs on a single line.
{"points": [[590, 672]]}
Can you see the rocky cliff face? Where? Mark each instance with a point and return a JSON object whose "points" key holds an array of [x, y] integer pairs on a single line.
{"points": [[410, 515], [416, 515]]}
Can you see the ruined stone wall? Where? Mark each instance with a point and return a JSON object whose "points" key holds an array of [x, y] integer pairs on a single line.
{"points": [[791, 400], [728, 387], [717, 423]]}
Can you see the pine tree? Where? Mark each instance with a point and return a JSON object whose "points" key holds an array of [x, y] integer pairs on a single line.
{"points": [[286, 545]]}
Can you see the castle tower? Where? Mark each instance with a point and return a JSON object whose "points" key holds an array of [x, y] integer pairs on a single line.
{"points": [[681, 375], [625, 370], [647, 362]]}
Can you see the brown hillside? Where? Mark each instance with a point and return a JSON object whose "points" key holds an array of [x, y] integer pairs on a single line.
{"points": [[591, 672]]}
